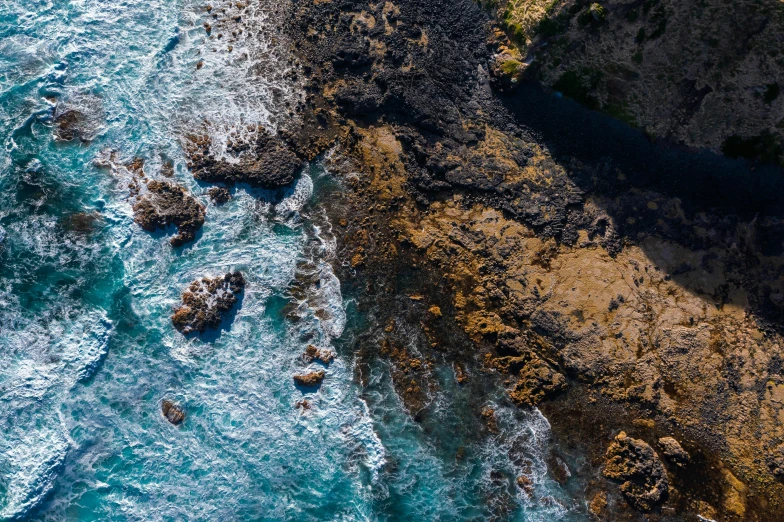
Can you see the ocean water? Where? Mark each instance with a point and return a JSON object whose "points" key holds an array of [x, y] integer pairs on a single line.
{"points": [[87, 348]]}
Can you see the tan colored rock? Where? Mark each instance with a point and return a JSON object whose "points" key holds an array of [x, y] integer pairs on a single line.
{"points": [[643, 478]]}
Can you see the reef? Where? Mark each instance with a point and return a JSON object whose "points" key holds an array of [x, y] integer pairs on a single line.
{"points": [[207, 301], [163, 203]]}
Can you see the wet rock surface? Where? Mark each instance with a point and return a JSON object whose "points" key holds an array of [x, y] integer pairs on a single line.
{"points": [[637, 466], [257, 158], [313, 353], [164, 203], [310, 379], [207, 301], [172, 412], [219, 195]]}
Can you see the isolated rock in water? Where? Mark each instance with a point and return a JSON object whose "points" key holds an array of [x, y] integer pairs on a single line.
{"points": [[259, 159], [643, 477], [206, 302], [313, 353], [673, 451], [165, 203], [80, 118], [219, 195], [310, 380], [172, 412]]}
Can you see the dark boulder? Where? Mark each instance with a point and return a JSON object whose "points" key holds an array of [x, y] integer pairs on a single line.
{"points": [[261, 160]]}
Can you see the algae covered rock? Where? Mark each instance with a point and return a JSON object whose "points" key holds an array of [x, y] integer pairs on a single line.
{"points": [[173, 412]]}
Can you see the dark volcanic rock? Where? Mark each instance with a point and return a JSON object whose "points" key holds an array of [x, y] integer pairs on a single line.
{"points": [[262, 160], [206, 302], [219, 195], [166, 203], [310, 380], [643, 478], [172, 412]]}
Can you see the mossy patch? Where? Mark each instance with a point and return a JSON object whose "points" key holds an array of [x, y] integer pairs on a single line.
{"points": [[580, 87]]}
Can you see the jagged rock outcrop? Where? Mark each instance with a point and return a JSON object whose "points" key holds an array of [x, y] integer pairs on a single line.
{"points": [[643, 477], [258, 158], [219, 195], [313, 353], [164, 203], [673, 451], [207, 301]]}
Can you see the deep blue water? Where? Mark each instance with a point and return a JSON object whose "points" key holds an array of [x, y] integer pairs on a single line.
{"points": [[87, 348]]}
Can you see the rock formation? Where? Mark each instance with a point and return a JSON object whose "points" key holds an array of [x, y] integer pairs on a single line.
{"points": [[259, 159], [206, 302], [165, 203], [687, 72], [310, 379], [672, 451], [173, 412], [638, 468], [219, 195]]}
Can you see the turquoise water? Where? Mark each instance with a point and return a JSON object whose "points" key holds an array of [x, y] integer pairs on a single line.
{"points": [[88, 351]]}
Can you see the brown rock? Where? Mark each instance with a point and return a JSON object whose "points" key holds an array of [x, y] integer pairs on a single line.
{"points": [[165, 203], [310, 380], [172, 412], [643, 479], [673, 451], [219, 195], [206, 302], [312, 353]]}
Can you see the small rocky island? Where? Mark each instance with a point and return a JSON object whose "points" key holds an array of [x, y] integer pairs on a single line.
{"points": [[206, 302], [165, 203]]}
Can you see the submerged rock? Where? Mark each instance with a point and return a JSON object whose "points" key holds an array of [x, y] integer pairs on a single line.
{"points": [[261, 160], [206, 301], [172, 412], [311, 379], [165, 203], [79, 119], [637, 466]]}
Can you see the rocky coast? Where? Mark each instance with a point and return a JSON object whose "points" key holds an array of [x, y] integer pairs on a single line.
{"points": [[621, 286]]}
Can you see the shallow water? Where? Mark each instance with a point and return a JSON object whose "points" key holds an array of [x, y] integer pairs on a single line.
{"points": [[86, 341]]}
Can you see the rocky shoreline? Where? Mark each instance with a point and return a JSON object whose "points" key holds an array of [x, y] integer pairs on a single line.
{"points": [[619, 293]]}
